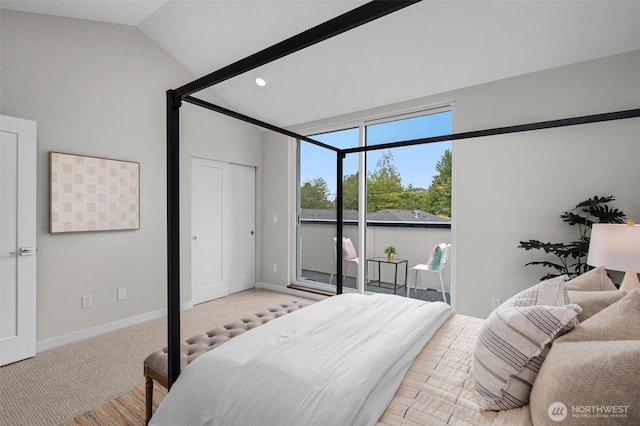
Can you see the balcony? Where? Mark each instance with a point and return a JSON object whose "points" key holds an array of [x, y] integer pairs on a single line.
{"points": [[413, 234]]}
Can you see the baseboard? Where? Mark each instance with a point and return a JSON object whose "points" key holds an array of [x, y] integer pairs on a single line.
{"points": [[54, 342], [287, 290]]}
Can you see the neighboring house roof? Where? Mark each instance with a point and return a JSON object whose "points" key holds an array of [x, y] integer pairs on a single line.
{"points": [[388, 215], [323, 214], [391, 215]]}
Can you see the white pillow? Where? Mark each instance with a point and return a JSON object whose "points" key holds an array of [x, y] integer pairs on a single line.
{"points": [[513, 342]]}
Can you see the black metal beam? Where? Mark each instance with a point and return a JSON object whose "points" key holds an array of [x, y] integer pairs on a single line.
{"points": [[246, 118], [585, 119], [338, 25], [339, 220], [173, 236]]}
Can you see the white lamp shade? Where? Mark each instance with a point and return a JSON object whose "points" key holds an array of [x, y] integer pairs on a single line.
{"points": [[615, 247]]}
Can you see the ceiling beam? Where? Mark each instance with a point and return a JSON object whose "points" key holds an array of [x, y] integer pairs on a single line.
{"points": [[338, 25]]}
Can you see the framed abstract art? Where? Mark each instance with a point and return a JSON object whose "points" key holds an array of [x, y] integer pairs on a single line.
{"points": [[93, 194]]}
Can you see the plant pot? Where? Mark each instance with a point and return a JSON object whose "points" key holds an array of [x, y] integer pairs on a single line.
{"points": [[390, 257]]}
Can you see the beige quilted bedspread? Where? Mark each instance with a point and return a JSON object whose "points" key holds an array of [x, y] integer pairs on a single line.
{"points": [[438, 389]]}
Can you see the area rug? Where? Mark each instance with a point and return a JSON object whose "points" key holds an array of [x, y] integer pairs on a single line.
{"points": [[128, 409]]}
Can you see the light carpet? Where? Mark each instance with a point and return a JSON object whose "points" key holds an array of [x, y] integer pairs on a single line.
{"points": [[64, 382]]}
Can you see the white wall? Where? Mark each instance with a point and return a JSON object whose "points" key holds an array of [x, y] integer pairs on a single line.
{"points": [[277, 200], [99, 89], [514, 187]]}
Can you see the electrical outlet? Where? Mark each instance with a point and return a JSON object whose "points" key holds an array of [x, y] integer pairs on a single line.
{"points": [[122, 294], [495, 302], [275, 218], [275, 267], [86, 301]]}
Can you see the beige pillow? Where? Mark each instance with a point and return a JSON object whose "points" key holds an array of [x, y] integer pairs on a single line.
{"points": [[593, 280], [593, 372], [588, 383], [512, 343], [593, 302], [619, 321]]}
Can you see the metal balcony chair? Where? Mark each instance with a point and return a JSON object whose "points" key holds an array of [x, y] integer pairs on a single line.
{"points": [[436, 264], [348, 255]]}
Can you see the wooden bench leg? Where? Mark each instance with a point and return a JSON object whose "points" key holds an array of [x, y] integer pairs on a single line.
{"points": [[149, 399]]}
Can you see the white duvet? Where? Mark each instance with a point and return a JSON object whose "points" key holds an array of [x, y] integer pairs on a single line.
{"points": [[336, 362]]}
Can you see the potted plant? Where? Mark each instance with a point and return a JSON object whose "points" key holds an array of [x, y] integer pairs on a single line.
{"points": [[390, 251], [571, 257]]}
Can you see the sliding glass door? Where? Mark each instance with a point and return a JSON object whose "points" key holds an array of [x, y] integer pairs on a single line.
{"points": [[402, 189]]}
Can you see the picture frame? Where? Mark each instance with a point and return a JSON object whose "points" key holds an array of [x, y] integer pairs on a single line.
{"points": [[92, 194]]}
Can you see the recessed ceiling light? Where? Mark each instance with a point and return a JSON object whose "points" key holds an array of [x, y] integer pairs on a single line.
{"points": [[261, 81]]}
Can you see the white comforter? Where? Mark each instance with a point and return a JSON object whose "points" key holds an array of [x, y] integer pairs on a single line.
{"points": [[336, 362]]}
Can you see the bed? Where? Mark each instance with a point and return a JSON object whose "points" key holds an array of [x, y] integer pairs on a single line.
{"points": [[388, 360]]}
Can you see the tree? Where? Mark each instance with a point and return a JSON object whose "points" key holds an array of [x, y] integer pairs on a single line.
{"points": [[314, 194], [438, 197], [384, 185], [350, 192], [385, 190]]}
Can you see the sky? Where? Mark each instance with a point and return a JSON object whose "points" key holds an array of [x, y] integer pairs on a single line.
{"points": [[415, 164]]}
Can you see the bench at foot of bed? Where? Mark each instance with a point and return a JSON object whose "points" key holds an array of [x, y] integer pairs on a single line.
{"points": [[156, 364]]}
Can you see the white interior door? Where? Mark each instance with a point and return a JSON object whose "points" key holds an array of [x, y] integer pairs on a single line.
{"points": [[209, 276], [242, 221], [17, 239]]}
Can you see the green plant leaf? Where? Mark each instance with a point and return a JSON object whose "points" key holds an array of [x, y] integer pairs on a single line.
{"points": [[556, 266], [595, 201], [572, 255], [538, 245]]}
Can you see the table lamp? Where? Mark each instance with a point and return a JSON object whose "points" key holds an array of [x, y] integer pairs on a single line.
{"points": [[617, 247]]}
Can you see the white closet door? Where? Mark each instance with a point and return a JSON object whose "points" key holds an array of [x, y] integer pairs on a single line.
{"points": [[242, 220], [17, 239], [223, 229], [209, 276]]}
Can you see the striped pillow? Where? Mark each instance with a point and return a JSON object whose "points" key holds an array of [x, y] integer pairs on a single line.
{"points": [[514, 341]]}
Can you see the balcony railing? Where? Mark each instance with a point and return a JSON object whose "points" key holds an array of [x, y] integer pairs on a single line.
{"points": [[412, 240]]}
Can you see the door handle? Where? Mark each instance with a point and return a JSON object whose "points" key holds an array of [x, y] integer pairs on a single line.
{"points": [[23, 251]]}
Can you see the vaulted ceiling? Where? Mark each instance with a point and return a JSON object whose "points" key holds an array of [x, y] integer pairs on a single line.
{"points": [[426, 48]]}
